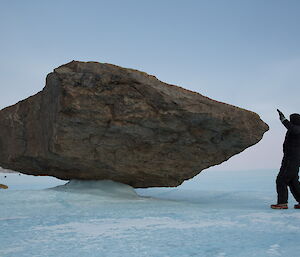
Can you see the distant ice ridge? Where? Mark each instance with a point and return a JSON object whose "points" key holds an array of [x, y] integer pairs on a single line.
{"points": [[103, 188]]}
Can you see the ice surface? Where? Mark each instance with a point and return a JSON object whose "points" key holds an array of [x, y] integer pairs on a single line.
{"points": [[216, 214]]}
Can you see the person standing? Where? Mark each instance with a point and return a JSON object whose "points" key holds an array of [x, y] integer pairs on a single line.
{"points": [[288, 174]]}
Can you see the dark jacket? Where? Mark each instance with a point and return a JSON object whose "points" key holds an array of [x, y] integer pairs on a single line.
{"points": [[291, 145]]}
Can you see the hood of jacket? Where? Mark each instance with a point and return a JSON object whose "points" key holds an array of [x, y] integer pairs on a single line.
{"points": [[295, 118]]}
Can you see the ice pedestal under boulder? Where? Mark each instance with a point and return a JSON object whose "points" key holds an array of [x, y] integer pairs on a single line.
{"points": [[96, 121], [102, 188]]}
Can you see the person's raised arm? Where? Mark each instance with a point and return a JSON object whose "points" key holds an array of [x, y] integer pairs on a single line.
{"points": [[290, 126]]}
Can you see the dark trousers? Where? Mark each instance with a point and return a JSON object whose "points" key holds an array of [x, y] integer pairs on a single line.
{"points": [[288, 177]]}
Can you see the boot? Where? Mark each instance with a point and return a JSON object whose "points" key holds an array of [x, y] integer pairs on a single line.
{"points": [[280, 206], [297, 206]]}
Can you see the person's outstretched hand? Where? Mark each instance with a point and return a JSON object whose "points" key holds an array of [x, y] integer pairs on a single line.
{"points": [[281, 115]]}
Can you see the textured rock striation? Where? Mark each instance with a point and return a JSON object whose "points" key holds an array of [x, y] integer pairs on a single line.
{"points": [[100, 121]]}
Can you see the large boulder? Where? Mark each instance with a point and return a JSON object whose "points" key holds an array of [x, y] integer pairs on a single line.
{"points": [[100, 121]]}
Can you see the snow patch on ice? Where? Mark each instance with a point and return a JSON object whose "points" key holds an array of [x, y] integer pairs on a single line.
{"points": [[271, 215], [11, 250], [118, 228], [274, 250], [12, 218], [277, 219]]}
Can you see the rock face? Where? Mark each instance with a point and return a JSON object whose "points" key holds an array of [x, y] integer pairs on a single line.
{"points": [[2, 186], [100, 121]]}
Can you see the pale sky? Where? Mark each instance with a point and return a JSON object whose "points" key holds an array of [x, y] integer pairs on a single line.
{"points": [[242, 52]]}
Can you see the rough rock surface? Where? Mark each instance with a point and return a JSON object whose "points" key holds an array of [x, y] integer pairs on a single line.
{"points": [[101, 121], [2, 186]]}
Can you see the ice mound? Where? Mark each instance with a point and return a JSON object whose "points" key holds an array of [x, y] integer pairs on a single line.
{"points": [[104, 188]]}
